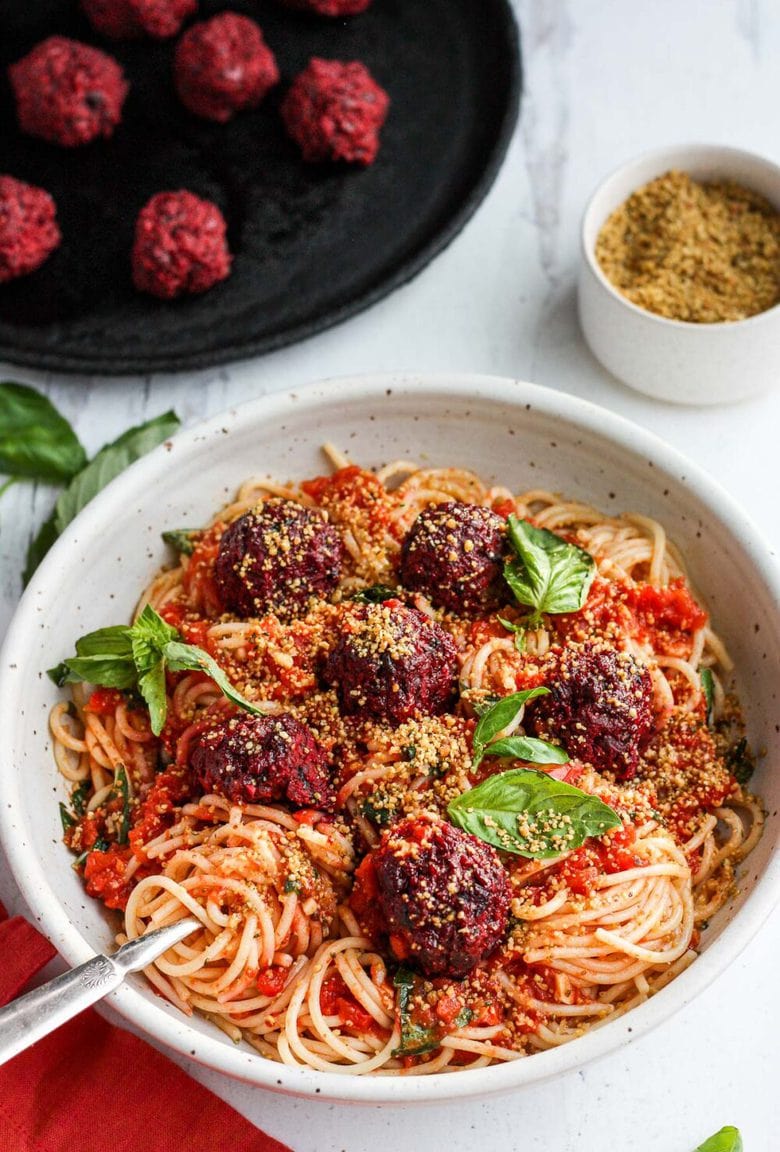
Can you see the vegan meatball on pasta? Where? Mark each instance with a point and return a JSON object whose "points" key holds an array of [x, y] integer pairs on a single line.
{"points": [[448, 774]]}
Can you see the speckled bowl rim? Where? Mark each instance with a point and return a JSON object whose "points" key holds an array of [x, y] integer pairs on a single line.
{"points": [[637, 162], [238, 1061]]}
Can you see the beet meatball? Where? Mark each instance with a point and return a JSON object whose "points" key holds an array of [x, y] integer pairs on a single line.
{"points": [[439, 894], [329, 7], [126, 19], [260, 759], [454, 555], [222, 66], [68, 93], [600, 707], [334, 110], [391, 662], [28, 228], [180, 246], [277, 558]]}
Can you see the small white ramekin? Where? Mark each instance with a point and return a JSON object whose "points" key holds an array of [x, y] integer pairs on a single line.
{"points": [[676, 360]]}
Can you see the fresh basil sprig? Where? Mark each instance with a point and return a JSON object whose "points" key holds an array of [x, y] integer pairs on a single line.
{"points": [[728, 1139], [497, 717], [112, 459], [531, 814], [36, 441], [137, 656], [548, 574]]}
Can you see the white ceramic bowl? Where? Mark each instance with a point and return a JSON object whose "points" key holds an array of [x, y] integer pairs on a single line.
{"points": [[671, 359], [508, 430]]}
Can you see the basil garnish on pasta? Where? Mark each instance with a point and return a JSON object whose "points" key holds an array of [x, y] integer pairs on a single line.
{"points": [[498, 717], [547, 574], [531, 814], [708, 689], [137, 657], [728, 1139], [182, 540]]}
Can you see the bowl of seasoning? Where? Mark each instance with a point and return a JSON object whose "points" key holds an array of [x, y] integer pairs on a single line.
{"points": [[679, 286]]}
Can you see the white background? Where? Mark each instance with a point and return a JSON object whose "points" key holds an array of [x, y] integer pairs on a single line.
{"points": [[605, 79]]}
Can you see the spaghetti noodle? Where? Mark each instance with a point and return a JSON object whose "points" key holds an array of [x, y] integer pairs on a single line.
{"points": [[286, 958]]}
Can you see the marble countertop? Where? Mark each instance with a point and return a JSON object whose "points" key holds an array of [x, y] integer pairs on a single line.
{"points": [[604, 80]]}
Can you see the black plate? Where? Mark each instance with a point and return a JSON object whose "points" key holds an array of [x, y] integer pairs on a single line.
{"points": [[313, 245]]}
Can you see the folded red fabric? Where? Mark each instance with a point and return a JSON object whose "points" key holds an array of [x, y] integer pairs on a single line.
{"points": [[91, 1087]]}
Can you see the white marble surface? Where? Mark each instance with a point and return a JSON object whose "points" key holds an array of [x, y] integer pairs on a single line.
{"points": [[604, 79]]}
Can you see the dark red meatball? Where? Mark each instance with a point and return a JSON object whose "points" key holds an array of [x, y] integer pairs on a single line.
{"points": [[28, 228], [454, 554], [126, 19], [222, 66], [440, 895], [68, 93], [391, 662], [180, 246], [334, 110], [329, 7], [277, 558], [260, 759], [600, 707]]}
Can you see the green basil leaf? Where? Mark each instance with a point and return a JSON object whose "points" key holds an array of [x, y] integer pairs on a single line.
{"points": [[182, 540], [112, 641], [739, 762], [415, 1040], [38, 547], [106, 672], [122, 789], [148, 637], [151, 685], [79, 797], [549, 575], [188, 658], [498, 716], [528, 748], [728, 1139], [36, 442], [519, 631], [67, 819], [708, 688], [112, 459], [531, 814], [376, 594]]}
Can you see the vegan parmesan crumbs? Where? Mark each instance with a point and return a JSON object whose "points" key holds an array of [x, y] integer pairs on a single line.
{"points": [[704, 253]]}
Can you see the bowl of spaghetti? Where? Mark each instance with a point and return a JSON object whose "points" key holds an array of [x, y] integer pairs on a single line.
{"points": [[445, 705]]}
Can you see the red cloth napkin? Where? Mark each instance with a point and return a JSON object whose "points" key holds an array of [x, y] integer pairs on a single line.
{"points": [[91, 1087]]}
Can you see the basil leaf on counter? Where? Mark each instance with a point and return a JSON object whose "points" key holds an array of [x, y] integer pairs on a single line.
{"points": [[549, 575], [112, 459], [728, 1139], [531, 814], [183, 540], [497, 717], [137, 656], [415, 1040], [36, 442], [708, 688]]}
